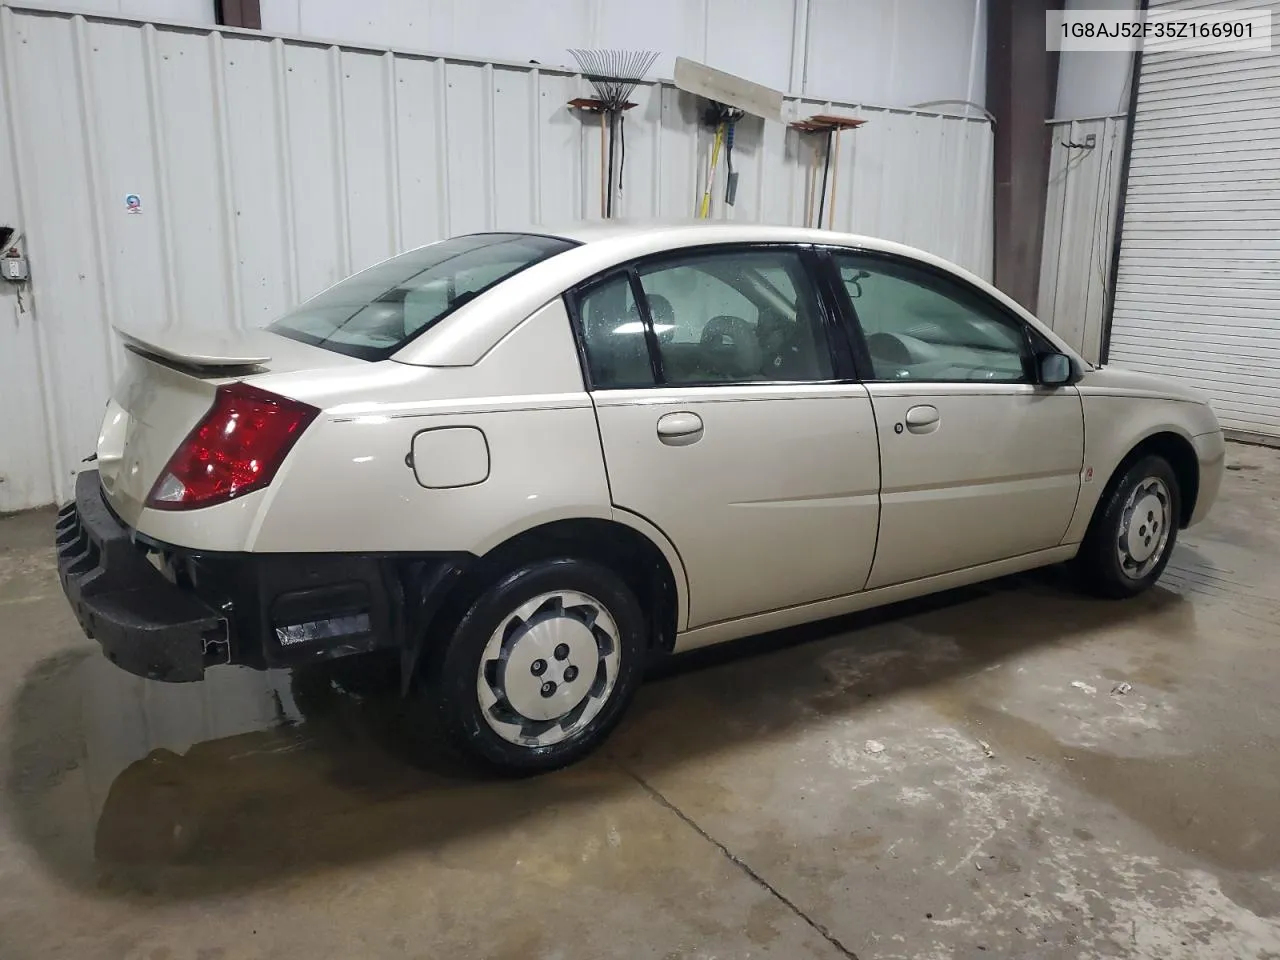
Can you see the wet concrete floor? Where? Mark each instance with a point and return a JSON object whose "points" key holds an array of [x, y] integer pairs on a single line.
{"points": [[1006, 771]]}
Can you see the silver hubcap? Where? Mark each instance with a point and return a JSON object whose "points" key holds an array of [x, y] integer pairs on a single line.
{"points": [[1144, 528], [548, 669]]}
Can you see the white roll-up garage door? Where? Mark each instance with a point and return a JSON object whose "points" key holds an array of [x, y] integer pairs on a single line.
{"points": [[1198, 288]]}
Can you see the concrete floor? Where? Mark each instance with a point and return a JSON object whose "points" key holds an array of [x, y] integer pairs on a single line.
{"points": [[1010, 771]]}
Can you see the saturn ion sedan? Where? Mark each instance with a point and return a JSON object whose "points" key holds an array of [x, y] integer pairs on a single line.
{"points": [[530, 463]]}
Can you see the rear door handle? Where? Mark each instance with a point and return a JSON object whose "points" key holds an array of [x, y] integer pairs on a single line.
{"points": [[923, 419], [679, 429]]}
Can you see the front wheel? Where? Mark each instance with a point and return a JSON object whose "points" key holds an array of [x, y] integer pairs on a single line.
{"points": [[539, 667], [1133, 531]]}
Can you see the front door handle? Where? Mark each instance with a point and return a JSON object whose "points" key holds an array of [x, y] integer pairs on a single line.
{"points": [[923, 419], [679, 429]]}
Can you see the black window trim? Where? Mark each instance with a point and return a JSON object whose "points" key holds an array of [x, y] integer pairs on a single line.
{"points": [[651, 343], [1036, 343], [834, 333]]}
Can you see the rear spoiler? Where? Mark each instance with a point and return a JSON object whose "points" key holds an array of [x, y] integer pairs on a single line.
{"points": [[195, 348]]}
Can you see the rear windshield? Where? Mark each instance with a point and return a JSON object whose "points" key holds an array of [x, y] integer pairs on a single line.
{"points": [[377, 311]]}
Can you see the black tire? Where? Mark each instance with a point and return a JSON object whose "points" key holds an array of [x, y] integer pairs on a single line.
{"points": [[446, 698], [1099, 566]]}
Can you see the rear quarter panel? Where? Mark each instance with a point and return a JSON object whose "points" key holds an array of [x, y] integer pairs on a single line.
{"points": [[348, 485]]}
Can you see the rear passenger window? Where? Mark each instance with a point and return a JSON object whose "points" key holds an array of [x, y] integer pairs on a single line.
{"points": [[736, 316], [613, 335]]}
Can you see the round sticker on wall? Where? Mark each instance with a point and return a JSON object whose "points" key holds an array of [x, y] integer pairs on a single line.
{"points": [[132, 203]]}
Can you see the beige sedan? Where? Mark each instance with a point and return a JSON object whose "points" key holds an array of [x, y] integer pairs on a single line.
{"points": [[528, 463]]}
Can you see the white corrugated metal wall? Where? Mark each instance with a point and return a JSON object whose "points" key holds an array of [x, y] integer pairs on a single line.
{"points": [[1079, 229], [882, 51], [1198, 289], [269, 168]]}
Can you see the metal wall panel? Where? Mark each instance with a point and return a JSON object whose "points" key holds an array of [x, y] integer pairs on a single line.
{"points": [[26, 446], [1198, 290], [270, 168], [1079, 229], [888, 51]]}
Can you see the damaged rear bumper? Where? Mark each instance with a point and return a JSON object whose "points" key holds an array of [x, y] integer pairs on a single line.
{"points": [[260, 610], [145, 624]]}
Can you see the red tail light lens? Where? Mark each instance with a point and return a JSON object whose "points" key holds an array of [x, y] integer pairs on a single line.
{"points": [[236, 449]]}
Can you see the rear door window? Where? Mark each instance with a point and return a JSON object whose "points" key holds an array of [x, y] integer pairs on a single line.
{"points": [[613, 331], [377, 311], [718, 316]]}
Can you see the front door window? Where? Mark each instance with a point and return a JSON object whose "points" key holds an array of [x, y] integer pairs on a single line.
{"points": [[921, 328]]}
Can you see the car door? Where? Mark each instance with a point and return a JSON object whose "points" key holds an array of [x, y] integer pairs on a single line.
{"points": [[978, 462], [727, 422]]}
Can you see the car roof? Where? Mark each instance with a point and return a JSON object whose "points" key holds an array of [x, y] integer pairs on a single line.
{"points": [[468, 333], [694, 232]]}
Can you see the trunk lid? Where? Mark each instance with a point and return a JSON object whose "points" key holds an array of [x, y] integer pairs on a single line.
{"points": [[168, 385]]}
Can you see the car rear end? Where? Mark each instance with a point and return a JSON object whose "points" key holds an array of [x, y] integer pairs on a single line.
{"points": [[158, 553], [153, 554]]}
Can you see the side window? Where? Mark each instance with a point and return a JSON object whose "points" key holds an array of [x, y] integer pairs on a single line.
{"points": [[613, 335], [922, 327], [736, 316], [424, 303]]}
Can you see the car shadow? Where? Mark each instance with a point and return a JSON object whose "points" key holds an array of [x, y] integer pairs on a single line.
{"points": [[132, 788]]}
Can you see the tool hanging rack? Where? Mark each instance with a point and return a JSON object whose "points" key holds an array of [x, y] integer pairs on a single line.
{"points": [[832, 126], [729, 99], [613, 75]]}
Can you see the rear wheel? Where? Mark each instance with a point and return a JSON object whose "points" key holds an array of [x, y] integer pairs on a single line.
{"points": [[539, 667], [1133, 531]]}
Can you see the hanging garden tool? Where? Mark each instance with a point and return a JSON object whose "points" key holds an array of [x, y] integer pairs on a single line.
{"points": [[832, 126], [613, 75], [731, 98], [724, 121]]}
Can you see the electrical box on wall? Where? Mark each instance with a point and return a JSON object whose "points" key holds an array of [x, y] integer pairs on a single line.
{"points": [[13, 267]]}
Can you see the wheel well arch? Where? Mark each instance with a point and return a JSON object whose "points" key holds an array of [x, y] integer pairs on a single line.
{"points": [[1179, 453], [622, 548]]}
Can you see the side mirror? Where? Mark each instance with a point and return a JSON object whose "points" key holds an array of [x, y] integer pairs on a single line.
{"points": [[1055, 369]]}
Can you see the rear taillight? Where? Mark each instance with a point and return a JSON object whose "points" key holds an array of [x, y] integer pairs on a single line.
{"points": [[236, 449]]}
